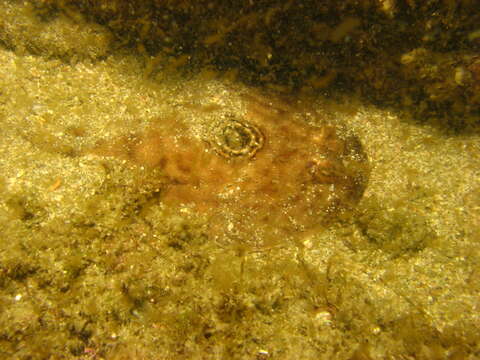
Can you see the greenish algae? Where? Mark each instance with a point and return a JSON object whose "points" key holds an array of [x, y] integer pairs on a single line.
{"points": [[93, 265]]}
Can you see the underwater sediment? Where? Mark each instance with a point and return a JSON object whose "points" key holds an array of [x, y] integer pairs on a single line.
{"points": [[163, 242], [415, 55]]}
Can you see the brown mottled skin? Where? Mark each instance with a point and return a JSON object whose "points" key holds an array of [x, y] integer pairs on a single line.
{"points": [[301, 177]]}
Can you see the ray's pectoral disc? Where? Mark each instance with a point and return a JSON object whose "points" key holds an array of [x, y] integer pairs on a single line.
{"points": [[270, 177]]}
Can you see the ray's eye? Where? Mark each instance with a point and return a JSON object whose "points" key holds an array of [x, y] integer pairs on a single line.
{"points": [[233, 138], [236, 138]]}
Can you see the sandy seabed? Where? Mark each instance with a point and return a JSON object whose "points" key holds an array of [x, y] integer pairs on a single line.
{"points": [[94, 265]]}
